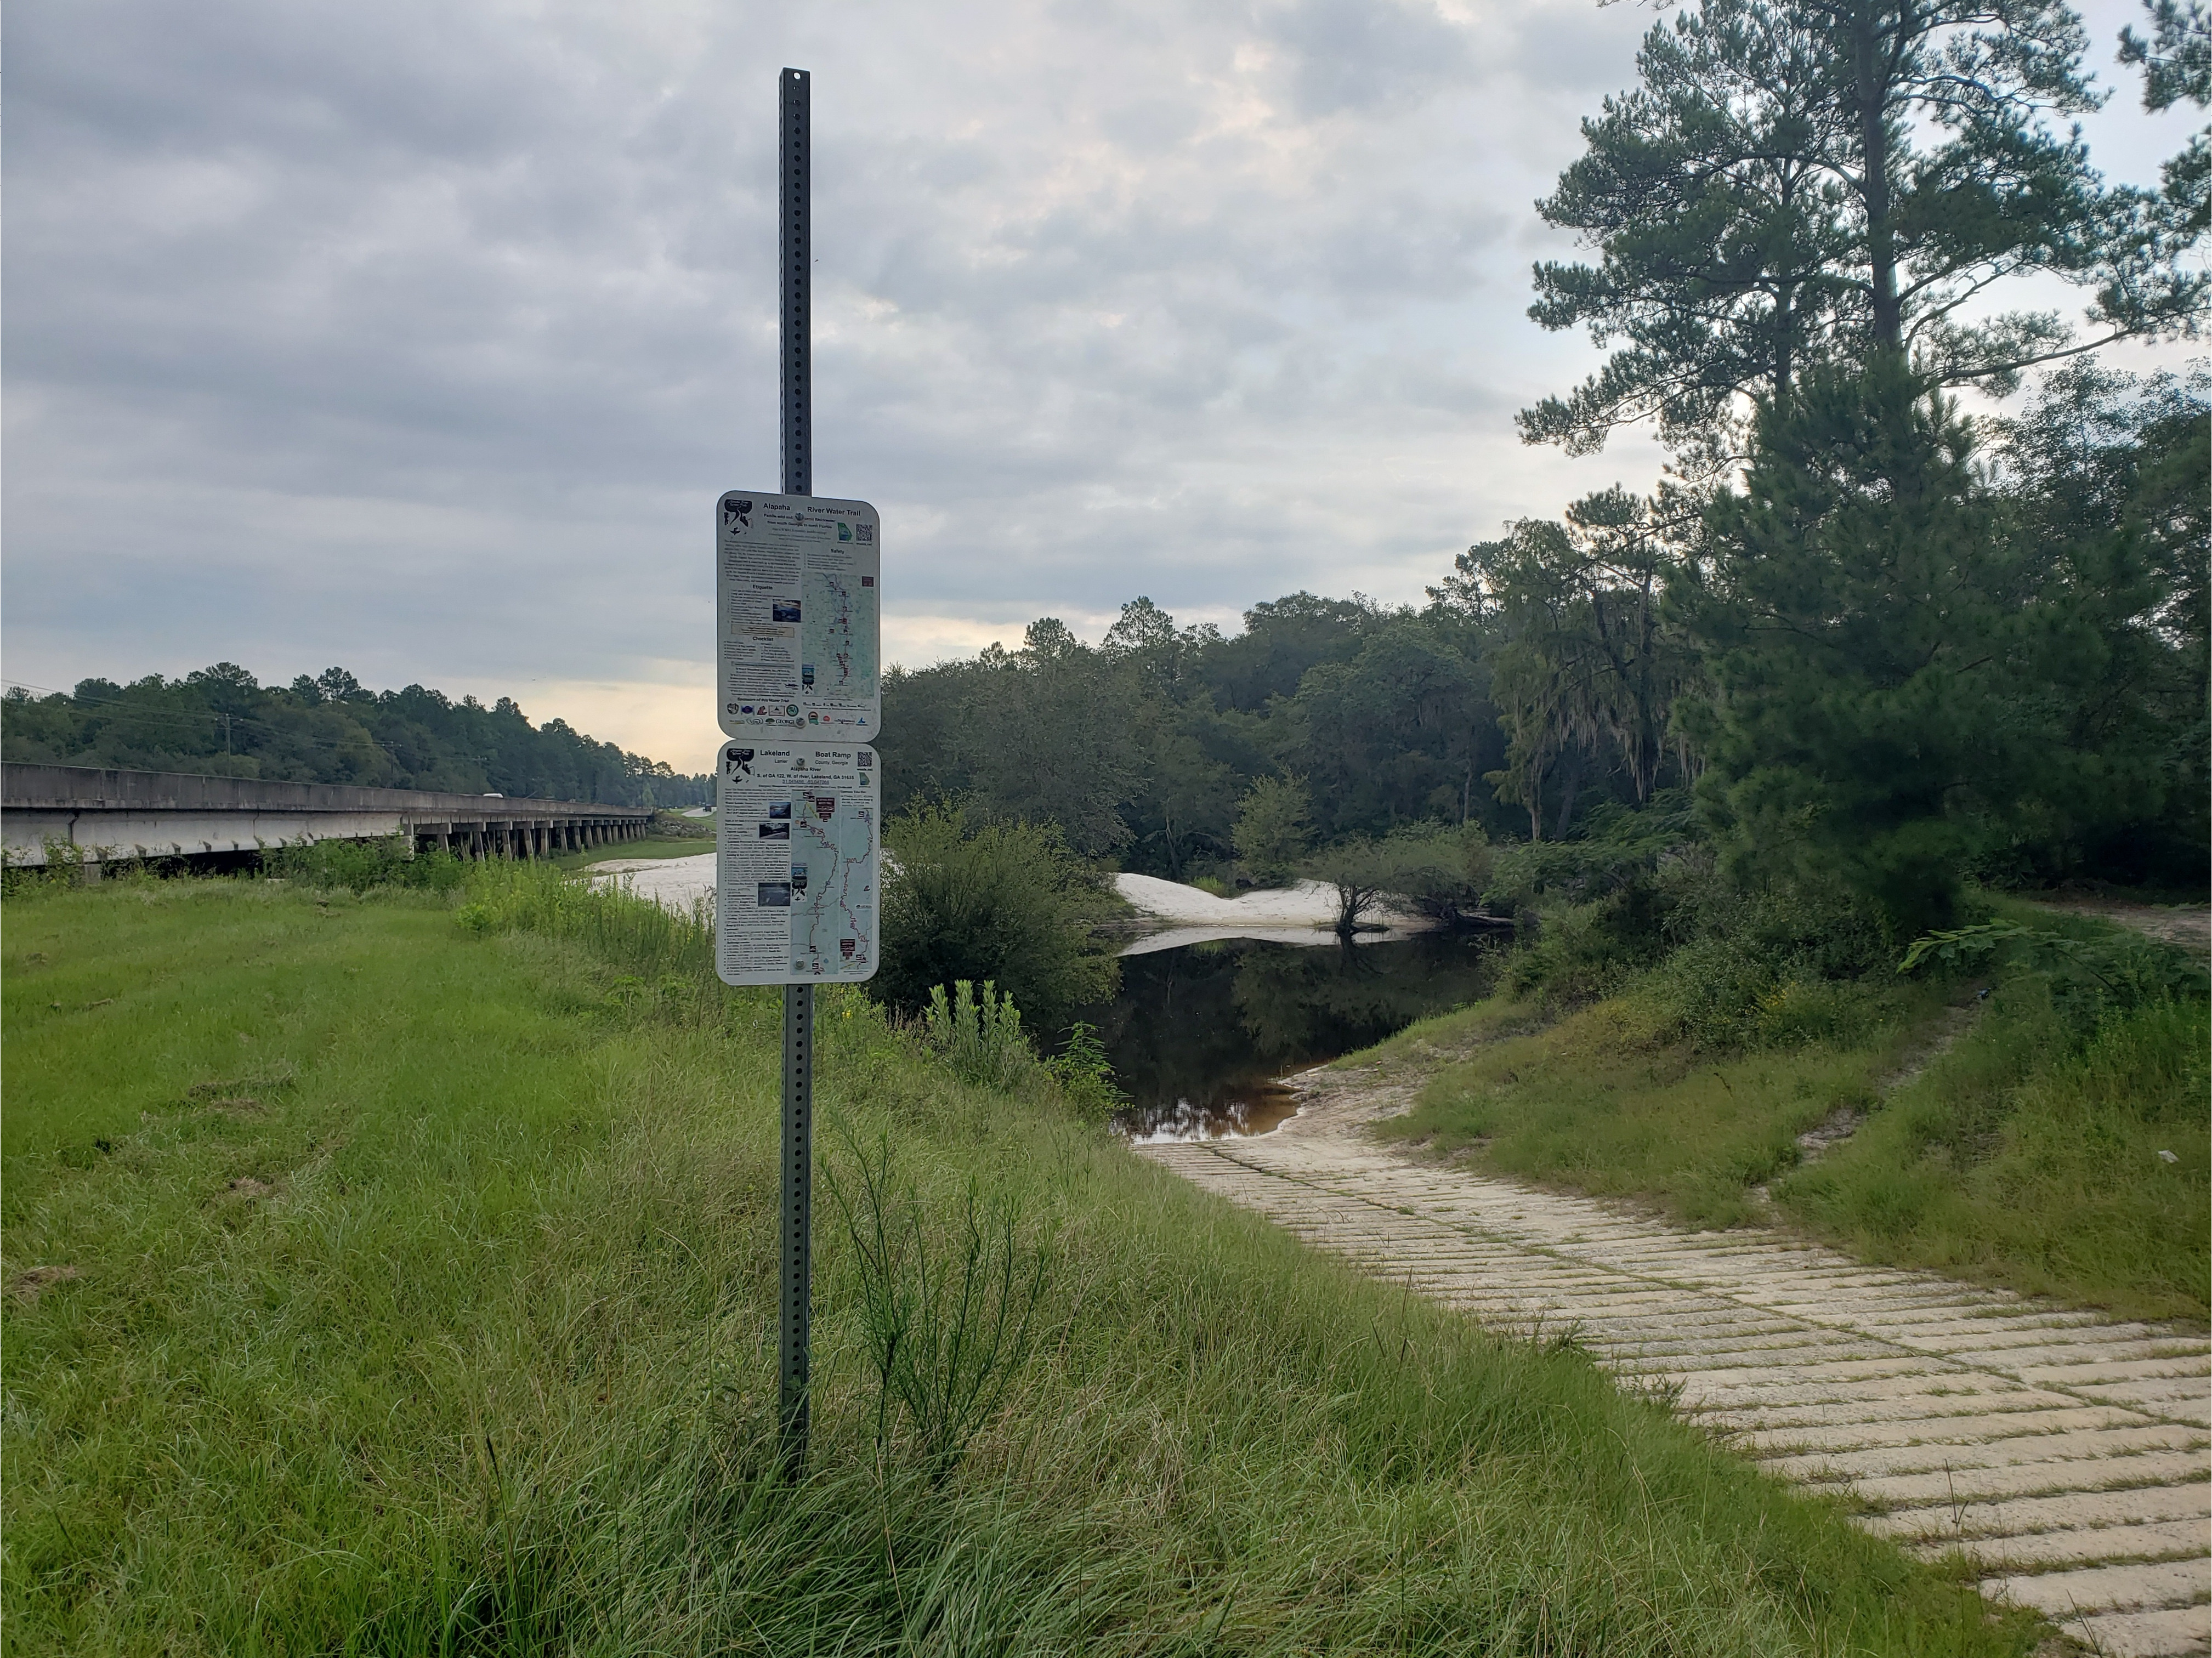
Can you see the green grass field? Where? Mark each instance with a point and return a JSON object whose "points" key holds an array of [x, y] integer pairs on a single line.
{"points": [[385, 1276], [651, 847], [2025, 1152]]}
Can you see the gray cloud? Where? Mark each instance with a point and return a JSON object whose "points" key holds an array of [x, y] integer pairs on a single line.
{"points": [[420, 337]]}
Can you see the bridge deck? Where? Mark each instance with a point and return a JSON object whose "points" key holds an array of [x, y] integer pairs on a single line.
{"points": [[94, 816]]}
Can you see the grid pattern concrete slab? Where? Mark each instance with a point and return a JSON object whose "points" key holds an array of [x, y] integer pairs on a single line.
{"points": [[2066, 1456]]}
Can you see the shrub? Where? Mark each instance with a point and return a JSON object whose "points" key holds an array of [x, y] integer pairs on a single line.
{"points": [[1004, 902], [358, 865], [676, 826], [2088, 977], [1359, 870], [1621, 846], [1721, 993], [978, 1036], [1085, 1076], [1576, 957], [1441, 870]]}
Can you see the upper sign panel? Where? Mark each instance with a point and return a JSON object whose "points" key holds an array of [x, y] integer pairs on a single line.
{"points": [[799, 634]]}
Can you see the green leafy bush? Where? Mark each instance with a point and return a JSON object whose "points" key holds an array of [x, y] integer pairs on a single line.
{"points": [[678, 826], [358, 865], [1441, 870], [1004, 902], [1724, 993], [2088, 976], [978, 1036], [1577, 954], [1085, 1076]]}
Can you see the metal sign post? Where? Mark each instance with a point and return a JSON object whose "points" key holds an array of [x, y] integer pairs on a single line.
{"points": [[797, 1252], [799, 689]]}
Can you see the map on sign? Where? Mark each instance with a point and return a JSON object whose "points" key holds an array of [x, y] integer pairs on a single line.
{"points": [[838, 630], [798, 617], [797, 863]]}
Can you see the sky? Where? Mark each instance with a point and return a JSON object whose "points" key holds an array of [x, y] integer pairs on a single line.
{"points": [[420, 338]]}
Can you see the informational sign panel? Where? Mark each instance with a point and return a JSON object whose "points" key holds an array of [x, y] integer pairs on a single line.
{"points": [[799, 634], [798, 864]]}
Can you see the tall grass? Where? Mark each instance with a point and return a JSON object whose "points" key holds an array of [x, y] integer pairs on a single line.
{"points": [[2028, 1155], [461, 1342], [2070, 1166], [358, 866], [643, 940], [1614, 1101], [948, 1330]]}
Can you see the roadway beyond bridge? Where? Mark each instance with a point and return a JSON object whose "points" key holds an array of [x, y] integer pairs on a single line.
{"points": [[96, 817]]}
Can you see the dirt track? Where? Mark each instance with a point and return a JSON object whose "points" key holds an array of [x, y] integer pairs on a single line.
{"points": [[2188, 926], [2066, 1454]]}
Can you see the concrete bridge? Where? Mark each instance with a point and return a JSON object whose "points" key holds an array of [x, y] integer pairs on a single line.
{"points": [[97, 816]]}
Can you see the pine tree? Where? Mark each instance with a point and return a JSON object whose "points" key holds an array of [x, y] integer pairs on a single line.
{"points": [[1868, 634], [1806, 181]]}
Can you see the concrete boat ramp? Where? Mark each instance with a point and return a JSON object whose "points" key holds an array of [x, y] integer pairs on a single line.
{"points": [[2063, 1452]]}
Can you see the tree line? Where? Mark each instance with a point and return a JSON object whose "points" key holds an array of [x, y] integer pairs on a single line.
{"points": [[1858, 634], [332, 729]]}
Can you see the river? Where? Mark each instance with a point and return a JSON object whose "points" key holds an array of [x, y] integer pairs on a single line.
{"points": [[1199, 1035]]}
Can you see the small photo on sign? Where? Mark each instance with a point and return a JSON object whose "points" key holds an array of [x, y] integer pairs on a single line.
{"points": [[776, 831], [780, 809], [799, 877], [776, 895], [782, 610]]}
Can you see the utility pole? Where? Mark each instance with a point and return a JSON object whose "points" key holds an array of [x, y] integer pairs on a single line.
{"points": [[798, 1258]]}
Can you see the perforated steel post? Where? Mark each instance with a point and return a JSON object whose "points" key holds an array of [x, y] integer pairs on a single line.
{"points": [[798, 1264], [798, 286], [797, 1257]]}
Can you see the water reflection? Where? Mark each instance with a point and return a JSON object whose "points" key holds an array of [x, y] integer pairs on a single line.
{"points": [[1200, 1034]]}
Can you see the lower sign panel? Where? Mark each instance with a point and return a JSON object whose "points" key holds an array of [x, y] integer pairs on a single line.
{"points": [[798, 865]]}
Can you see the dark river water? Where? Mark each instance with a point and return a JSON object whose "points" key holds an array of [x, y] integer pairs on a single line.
{"points": [[1200, 1034]]}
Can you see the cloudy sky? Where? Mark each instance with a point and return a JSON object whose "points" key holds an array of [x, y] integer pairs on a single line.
{"points": [[419, 338]]}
